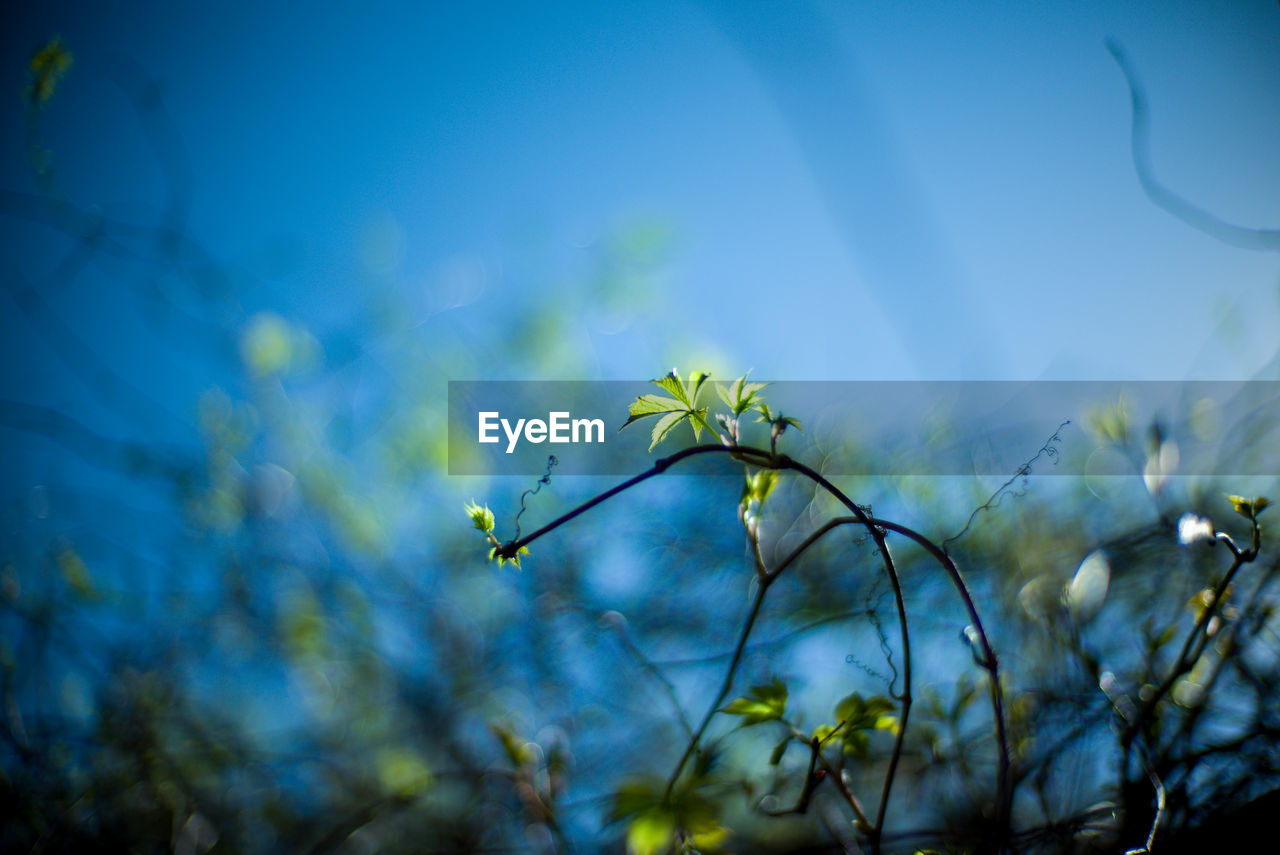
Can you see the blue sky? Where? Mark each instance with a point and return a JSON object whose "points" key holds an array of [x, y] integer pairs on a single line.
{"points": [[847, 191]]}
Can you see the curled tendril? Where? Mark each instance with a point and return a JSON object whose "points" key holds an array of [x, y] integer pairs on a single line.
{"points": [[1016, 486], [545, 479], [871, 610]]}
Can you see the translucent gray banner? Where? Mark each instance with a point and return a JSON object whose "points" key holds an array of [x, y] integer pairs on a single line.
{"points": [[1157, 429]]}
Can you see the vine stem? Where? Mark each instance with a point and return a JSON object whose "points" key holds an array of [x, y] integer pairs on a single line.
{"points": [[989, 663], [770, 460], [1193, 645], [725, 687]]}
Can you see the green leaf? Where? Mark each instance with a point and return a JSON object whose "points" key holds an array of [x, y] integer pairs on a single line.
{"points": [[402, 772], [634, 796], [655, 819], [755, 711], [1243, 506], [862, 714], [698, 421], [740, 396], [652, 405], [778, 750], [762, 703], [707, 835], [502, 559], [1249, 508], [856, 743], [651, 832], [681, 406], [685, 393], [759, 485], [726, 394], [778, 423], [887, 722], [665, 425], [481, 518], [675, 388]]}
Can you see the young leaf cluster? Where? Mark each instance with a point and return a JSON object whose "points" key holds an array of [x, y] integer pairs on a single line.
{"points": [[763, 703], [681, 406], [657, 819], [482, 518]]}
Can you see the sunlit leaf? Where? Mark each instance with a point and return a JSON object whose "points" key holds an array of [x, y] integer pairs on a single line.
{"points": [[1242, 506], [695, 385], [860, 713], [762, 703], [682, 406], [402, 772], [706, 835], [665, 425], [739, 396], [635, 795], [887, 722], [654, 819], [675, 388], [503, 559], [855, 743], [1249, 508], [652, 405], [759, 485], [481, 517], [651, 832]]}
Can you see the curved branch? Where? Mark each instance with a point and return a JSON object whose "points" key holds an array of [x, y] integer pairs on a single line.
{"points": [[989, 663], [1163, 197], [770, 460], [725, 687]]}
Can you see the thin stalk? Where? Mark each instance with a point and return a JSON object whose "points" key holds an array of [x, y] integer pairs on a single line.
{"points": [[990, 662], [770, 460], [725, 687]]}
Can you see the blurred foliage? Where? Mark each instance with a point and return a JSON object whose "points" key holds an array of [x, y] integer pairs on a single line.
{"points": [[47, 67], [267, 628]]}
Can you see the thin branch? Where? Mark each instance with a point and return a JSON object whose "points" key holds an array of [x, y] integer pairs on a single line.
{"points": [[1186, 658], [653, 669], [989, 661], [771, 460], [725, 687], [1048, 450], [1163, 197]]}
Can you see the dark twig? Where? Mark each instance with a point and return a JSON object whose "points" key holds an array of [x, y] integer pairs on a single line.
{"points": [[1048, 450]]}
